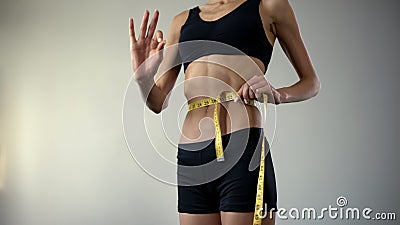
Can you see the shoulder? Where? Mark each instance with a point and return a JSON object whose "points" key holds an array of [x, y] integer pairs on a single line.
{"points": [[180, 18], [275, 8], [176, 25]]}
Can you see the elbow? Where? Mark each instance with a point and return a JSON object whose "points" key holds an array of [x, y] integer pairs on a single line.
{"points": [[316, 86], [157, 108]]}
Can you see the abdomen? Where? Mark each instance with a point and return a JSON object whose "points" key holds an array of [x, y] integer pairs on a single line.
{"points": [[206, 77]]}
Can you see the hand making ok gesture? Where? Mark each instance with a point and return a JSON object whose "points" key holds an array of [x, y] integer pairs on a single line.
{"points": [[147, 47]]}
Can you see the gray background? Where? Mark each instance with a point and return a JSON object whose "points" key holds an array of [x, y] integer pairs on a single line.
{"points": [[64, 68]]}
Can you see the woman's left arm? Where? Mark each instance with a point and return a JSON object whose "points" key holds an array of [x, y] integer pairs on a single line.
{"points": [[286, 30], [279, 18]]}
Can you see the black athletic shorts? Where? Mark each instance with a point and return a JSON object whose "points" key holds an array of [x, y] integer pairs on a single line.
{"points": [[208, 186]]}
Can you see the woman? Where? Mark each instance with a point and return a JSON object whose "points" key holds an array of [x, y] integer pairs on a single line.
{"points": [[251, 26]]}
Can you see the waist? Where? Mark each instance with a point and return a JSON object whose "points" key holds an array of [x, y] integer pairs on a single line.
{"points": [[215, 116], [224, 96]]}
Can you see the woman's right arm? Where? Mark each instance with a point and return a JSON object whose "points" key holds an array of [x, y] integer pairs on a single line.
{"points": [[148, 59]]}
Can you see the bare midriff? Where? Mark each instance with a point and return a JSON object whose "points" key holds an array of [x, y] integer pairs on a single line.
{"points": [[208, 77]]}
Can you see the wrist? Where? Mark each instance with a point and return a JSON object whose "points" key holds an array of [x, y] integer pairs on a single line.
{"points": [[282, 95], [144, 80], [144, 75]]}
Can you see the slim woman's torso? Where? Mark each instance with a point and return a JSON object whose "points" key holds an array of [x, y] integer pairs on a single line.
{"points": [[208, 79], [209, 75]]}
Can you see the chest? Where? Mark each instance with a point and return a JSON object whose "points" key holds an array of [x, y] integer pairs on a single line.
{"points": [[233, 28]]}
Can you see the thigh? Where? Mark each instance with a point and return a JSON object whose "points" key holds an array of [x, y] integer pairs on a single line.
{"points": [[199, 219], [239, 186], [245, 218]]}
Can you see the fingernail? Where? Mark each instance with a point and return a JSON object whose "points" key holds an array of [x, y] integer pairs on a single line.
{"points": [[236, 99], [245, 101], [159, 39]]}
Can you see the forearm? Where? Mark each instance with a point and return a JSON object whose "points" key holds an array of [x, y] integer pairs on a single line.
{"points": [[302, 90], [152, 95]]}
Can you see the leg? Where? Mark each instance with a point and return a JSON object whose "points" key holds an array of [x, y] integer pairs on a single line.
{"points": [[199, 219], [245, 218], [197, 203], [239, 187]]}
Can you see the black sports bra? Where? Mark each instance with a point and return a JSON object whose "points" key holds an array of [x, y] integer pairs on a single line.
{"points": [[241, 29]]}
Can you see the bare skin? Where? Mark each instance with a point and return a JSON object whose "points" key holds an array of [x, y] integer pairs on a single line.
{"points": [[279, 24]]}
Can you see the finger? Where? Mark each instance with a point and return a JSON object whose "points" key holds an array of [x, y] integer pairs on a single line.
{"points": [[159, 36], [132, 31], [254, 80], [161, 45], [252, 95], [153, 24], [143, 26], [264, 90], [259, 97], [261, 91], [277, 98], [257, 86], [257, 82], [270, 95], [271, 99], [239, 94], [245, 93]]}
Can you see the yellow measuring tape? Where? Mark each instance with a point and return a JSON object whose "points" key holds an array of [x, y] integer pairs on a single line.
{"points": [[260, 184], [225, 97]]}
